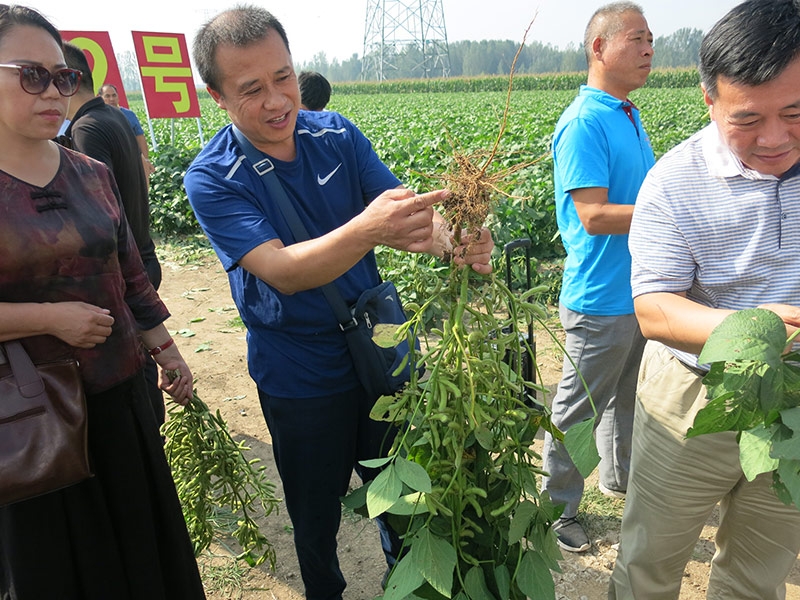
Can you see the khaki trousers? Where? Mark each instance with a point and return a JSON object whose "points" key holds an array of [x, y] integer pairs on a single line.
{"points": [[674, 485]]}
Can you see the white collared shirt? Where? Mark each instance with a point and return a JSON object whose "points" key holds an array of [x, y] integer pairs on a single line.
{"points": [[706, 224]]}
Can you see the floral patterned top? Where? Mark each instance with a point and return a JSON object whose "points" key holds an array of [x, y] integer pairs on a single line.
{"points": [[69, 241]]}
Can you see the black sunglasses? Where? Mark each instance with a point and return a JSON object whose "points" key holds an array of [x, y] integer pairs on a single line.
{"points": [[35, 79]]}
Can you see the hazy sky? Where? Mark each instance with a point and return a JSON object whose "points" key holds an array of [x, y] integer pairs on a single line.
{"points": [[337, 28]]}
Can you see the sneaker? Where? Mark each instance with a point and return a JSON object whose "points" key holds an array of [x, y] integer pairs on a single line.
{"points": [[609, 492], [570, 535]]}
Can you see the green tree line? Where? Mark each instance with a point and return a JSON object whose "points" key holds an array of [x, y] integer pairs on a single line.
{"points": [[493, 57]]}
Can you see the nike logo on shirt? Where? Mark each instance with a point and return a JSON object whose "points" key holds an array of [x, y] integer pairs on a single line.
{"points": [[324, 180]]}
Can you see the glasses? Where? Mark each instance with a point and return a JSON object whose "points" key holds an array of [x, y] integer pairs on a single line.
{"points": [[35, 79]]}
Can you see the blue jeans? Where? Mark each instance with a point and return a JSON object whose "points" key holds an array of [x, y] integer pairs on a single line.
{"points": [[607, 352], [317, 442]]}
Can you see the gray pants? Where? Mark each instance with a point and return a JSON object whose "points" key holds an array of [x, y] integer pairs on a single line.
{"points": [[606, 352]]}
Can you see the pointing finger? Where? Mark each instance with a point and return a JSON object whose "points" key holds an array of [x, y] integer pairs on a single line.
{"points": [[423, 201]]}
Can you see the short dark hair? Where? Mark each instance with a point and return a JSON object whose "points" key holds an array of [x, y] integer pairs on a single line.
{"points": [[601, 26], [239, 26], [315, 90], [752, 44], [12, 15], [76, 59]]}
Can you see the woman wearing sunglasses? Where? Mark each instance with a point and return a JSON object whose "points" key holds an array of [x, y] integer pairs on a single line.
{"points": [[71, 280]]}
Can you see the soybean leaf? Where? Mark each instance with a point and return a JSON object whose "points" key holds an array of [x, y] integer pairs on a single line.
{"points": [[385, 335], [405, 578], [376, 463], [410, 504], [534, 578], [791, 418], [751, 334], [357, 498], [436, 559], [484, 436], [502, 579], [786, 441], [520, 521], [475, 583], [383, 492], [789, 473], [715, 417], [754, 452], [580, 444], [413, 475]]}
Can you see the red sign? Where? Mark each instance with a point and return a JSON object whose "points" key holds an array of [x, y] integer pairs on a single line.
{"points": [[166, 73], [102, 62]]}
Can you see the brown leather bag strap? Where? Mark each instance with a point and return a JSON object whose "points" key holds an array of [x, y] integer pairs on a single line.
{"points": [[29, 382]]}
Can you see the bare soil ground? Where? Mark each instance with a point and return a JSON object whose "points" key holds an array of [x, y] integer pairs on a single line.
{"points": [[203, 324]]}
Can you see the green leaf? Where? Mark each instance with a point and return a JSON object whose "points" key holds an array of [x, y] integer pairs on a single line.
{"points": [[502, 579], [475, 584], [376, 463], [357, 498], [715, 417], [385, 335], [405, 578], [752, 334], [791, 418], [534, 578], [521, 520], [788, 448], [387, 408], [484, 436], [580, 444], [789, 473], [410, 504], [754, 452], [436, 559], [413, 475], [383, 492]]}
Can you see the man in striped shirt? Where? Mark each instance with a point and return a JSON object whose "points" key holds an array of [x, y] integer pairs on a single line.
{"points": [[716, 229]]}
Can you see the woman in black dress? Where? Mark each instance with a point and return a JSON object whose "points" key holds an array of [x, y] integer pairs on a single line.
{"points": [[71, 280]]}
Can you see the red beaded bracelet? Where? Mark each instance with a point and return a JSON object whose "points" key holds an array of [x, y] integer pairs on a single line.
{"points": [[162, 347]]}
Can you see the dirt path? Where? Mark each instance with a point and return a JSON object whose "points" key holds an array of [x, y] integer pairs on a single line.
{"points": [[203, 325]]}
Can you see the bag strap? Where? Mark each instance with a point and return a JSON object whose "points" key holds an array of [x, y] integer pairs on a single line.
{"points": [[29, 382], [266, 170]]}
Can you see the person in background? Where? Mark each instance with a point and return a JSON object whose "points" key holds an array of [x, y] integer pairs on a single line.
{"points": [[72, 283], [100, 131], [601, 154], [317, 411], [315, 90], [716, 230], [109, 94]]}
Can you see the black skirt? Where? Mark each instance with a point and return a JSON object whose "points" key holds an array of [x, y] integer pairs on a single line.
{"points": [[119, 535]]}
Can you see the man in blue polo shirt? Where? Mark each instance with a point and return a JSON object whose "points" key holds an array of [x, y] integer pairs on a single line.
{"points": [[316, 409], [601, 154]]}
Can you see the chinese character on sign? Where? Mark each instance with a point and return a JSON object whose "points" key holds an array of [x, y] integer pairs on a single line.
{"points": [[102, 62], [167, 82]]}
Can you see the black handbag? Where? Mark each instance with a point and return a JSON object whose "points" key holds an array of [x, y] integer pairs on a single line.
{"points": [[378, 368], [43, 443]]}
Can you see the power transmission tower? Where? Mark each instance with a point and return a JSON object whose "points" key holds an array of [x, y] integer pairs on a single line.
{"points": [[404, 38]]}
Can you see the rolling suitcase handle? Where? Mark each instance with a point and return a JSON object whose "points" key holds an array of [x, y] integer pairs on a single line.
{"points": [[527, 359]]}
